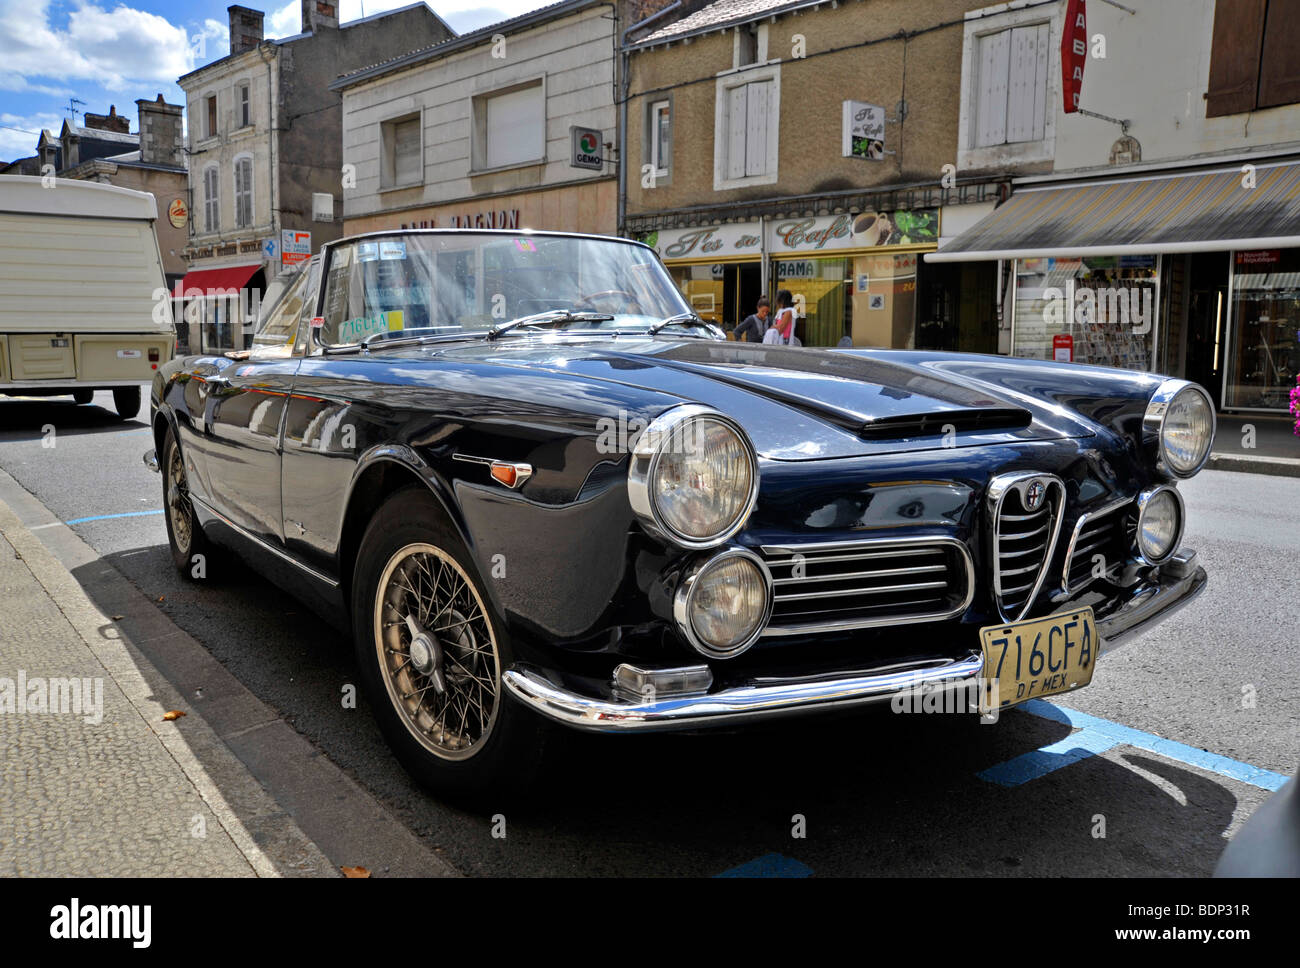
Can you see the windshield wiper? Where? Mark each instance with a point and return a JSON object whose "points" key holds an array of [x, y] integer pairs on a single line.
{"points": [[682, 319], [550, 317]]}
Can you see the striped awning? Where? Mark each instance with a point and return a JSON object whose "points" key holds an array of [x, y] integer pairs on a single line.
{"points": [[1198, 212]]}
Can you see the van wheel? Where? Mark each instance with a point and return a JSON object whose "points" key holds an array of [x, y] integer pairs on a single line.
{"points": [[83, 397], [431, 651], [185, 535], [126, 401]]}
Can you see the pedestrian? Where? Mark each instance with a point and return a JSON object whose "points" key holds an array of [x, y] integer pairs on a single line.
{"points": [[782, 330], [755, 325]]}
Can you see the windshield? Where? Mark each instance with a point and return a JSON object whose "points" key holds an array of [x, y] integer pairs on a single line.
{"points": [[469, 282]]}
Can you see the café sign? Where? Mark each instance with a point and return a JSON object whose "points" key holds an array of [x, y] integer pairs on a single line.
{"points": [[785, 236]]}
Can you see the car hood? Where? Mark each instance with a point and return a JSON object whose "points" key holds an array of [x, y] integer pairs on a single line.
{"points": [[795, 404]]}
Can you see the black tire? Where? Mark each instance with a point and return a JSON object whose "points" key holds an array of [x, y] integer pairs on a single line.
{"points": [[503, 750], [185, 535], [126, 401], [83, 397]]}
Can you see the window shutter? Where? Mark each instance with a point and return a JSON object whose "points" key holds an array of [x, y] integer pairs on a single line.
{"points": [[211, 201], [516, 126], [991, 115], [1235, 57], [406, 151], [1279, 68], [1021, 81], [736, 117], [758, 100]]}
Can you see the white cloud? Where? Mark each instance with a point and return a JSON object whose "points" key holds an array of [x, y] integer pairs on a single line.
{"points": [[110, 47], [463, 15], [19, 143]]}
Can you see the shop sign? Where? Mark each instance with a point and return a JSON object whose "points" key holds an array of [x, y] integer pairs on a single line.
{"points": [[500, 219], [1259, 257], [719, 241], [1074, 53], [865, 230], [178, 213], [863, 130], [1063, 348], [585, 145], [802, 269], [295, 247]]}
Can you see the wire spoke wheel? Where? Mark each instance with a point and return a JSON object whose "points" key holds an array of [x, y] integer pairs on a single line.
{"points": [[437, 652], [179, 508]]}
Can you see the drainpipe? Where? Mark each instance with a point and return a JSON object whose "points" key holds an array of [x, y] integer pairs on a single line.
{"points": [[624, 84]]}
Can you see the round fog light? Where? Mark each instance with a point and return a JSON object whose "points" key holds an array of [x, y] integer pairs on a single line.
{"points": [[1159, 524], [723, 605]]}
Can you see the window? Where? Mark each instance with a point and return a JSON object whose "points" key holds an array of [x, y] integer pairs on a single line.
{"points": [[749, 46], [245, 114], [1011, 99], [211, 200], [210, 107], [278, 327], [659, 137], [403, 152], [243, 192], [1253, 61], [510, 127], [745, 128]]}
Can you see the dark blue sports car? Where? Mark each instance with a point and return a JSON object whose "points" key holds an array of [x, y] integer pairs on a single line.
{"points": [[540, 490]]}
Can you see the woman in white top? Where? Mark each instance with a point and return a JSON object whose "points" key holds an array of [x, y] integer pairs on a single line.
{"points": [[782, 330]]}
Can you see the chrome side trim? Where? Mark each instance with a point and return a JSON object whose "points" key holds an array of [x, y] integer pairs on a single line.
{"points": [[1074, 538], [845, 625], [278, 552], [686, 591], [998, 490], [645, 458], [522, 471], [1153, 425], [760, 700], [151, 460]]}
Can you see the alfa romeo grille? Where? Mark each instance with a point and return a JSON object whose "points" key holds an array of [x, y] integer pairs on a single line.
{"points": [[828, 587], [1026, 520], [1107, 533]]}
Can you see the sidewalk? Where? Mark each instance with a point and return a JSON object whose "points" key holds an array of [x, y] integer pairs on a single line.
{"points": [[93, 780], [1256, 444]]}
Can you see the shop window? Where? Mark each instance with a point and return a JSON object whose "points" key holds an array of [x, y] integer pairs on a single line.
{"points": [[243, 192], [1100, 310], [747, 110], [211, 199], [510, 126], [1264, 327], [1253, 63], [402, 148]]}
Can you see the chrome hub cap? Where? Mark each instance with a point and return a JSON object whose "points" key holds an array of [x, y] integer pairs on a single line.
{"points": [[437, 651], [179, 510]]}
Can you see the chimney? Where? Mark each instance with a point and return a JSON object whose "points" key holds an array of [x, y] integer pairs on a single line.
{"points": [[160, 133], [245, 28], [319, 13], [108, 122]]}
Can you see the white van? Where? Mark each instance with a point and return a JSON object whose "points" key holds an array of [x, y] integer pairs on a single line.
{"points": [[83, 300]]}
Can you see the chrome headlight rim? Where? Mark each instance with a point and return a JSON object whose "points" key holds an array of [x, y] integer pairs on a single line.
{"points": [[684, 597], [1140, 505], [1153, 426], [646, 454]]}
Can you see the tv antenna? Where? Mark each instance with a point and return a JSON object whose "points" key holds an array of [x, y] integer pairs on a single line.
{"points": [[72, 107]]}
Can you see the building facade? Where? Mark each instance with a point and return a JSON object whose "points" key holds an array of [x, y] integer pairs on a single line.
{"points": [[811, 147], [511, 126], [265, 154], [1159, 232]]}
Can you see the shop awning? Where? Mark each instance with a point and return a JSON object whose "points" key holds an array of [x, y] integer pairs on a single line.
{"points": [[1198, 212], [216, 281]]}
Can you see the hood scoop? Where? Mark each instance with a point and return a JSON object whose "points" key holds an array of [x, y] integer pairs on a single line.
{"points": [[909, 426]]}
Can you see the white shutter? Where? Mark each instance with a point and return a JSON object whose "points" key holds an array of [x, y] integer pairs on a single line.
{"points": [[1027, 97], [1040, 82], [211, 201], [756, 147], [736, 118], [991, 115], [516, 127], [406, 152]]}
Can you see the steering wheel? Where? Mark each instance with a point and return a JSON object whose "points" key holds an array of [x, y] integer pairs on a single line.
{"points": [[588, 301]]}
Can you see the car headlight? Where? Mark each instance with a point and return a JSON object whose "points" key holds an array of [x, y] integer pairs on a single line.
{"points": [[693, 478], [723, 604], [1179, 428], [1159, 524]]}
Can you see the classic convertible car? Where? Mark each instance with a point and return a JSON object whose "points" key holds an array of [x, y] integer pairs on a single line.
{"points": [[540, 490]]}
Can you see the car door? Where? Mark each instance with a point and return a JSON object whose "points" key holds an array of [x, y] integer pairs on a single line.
{"points": [[245, 410]]}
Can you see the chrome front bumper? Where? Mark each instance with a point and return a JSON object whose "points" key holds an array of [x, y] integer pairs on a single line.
{"points": [[1177, 583]]}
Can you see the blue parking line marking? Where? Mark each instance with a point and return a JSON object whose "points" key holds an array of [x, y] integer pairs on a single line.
{"points": [[105, 517], [1097, 735], [770, 865]]}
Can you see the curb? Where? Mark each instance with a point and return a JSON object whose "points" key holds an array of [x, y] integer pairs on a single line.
{"points": [[1274, 466]]}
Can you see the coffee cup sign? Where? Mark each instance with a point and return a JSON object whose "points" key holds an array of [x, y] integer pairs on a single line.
{"points": [[863, 130]]}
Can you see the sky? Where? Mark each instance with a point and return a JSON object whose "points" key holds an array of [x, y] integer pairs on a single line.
{"points": [[104, 52]]}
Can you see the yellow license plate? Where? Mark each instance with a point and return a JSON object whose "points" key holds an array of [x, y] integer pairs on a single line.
{"points": [[1042, 657]]}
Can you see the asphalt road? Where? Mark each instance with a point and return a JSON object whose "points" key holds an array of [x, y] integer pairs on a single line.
{"points": [[877, 793]]}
